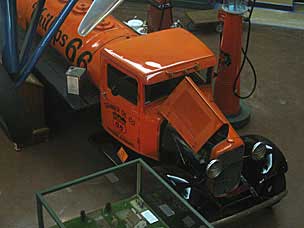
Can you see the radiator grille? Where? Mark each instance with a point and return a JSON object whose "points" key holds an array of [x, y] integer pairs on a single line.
{"points": [[231, 174]]}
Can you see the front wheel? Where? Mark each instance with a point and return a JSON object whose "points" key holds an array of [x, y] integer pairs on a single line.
{"points": [[265, 167]]}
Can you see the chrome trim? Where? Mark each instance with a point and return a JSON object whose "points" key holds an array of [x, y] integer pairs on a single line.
{"points": [[210, 165]]}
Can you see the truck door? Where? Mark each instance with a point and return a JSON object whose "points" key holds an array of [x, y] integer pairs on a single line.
{"points": [[119, 106]]}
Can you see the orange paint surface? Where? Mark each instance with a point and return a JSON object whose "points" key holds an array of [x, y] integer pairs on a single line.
{"points": [[122, 154], [147, 59], [156, 56]]}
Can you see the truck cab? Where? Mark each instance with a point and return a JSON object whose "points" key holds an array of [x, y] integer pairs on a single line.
{"points": [[155, 86]]}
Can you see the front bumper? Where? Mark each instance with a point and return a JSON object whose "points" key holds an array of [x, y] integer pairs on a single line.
{"points": [[268, 203]]}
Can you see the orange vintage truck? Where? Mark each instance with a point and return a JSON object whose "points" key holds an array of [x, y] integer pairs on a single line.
{"points": [[156, 101]]}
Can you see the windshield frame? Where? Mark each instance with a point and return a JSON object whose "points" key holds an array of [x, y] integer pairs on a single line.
{"points": [[204, 80]]}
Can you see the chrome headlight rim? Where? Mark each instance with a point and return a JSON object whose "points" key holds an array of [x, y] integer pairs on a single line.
{"points": [[259, 151], [214, 168]]}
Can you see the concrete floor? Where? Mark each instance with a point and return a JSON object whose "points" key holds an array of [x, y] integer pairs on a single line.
{"points": [[277, 112], [278, 18]]}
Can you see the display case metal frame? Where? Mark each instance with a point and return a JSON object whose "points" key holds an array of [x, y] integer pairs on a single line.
{"points": [[42, 203]]}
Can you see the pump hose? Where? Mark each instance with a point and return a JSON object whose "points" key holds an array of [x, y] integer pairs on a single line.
{"points": [[246, 58]]}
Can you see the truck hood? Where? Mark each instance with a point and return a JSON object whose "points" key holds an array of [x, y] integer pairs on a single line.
{"points": [[193, 115]]}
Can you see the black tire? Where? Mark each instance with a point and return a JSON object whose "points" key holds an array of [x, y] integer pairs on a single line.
{"points": [[14, 119], [274, 180]]}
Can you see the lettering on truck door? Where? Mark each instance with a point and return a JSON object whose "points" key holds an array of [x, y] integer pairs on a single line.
{"points": [[120, 106]]}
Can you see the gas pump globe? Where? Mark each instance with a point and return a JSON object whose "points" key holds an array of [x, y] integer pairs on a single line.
{"points": [[234, 6]]}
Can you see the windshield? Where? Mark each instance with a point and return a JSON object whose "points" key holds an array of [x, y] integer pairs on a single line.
{"points": [[122, 85], [163, 89]]}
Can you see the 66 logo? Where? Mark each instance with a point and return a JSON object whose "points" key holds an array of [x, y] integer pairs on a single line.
{"points": [[119, 123]]}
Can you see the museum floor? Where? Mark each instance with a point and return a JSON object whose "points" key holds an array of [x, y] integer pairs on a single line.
{"points": [[277, 113]]}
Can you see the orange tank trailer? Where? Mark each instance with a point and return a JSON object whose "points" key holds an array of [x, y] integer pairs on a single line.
{"points": [[79, 51]]}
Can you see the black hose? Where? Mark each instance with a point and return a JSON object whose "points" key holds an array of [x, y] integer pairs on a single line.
{"points": [[254, 78], [246, 58]]}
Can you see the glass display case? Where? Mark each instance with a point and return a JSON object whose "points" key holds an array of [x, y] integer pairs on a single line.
{"points": [[128, 195]]}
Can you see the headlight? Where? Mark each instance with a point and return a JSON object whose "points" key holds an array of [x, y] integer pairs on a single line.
{"points": [[258, 151], [214, 169]]}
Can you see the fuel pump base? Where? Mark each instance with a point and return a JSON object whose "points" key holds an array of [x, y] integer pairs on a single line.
{"points": [[242, 118]]}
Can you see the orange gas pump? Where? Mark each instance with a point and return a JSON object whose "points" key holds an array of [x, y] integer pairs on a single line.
{"points": [[159, 15], [227, 84]]}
